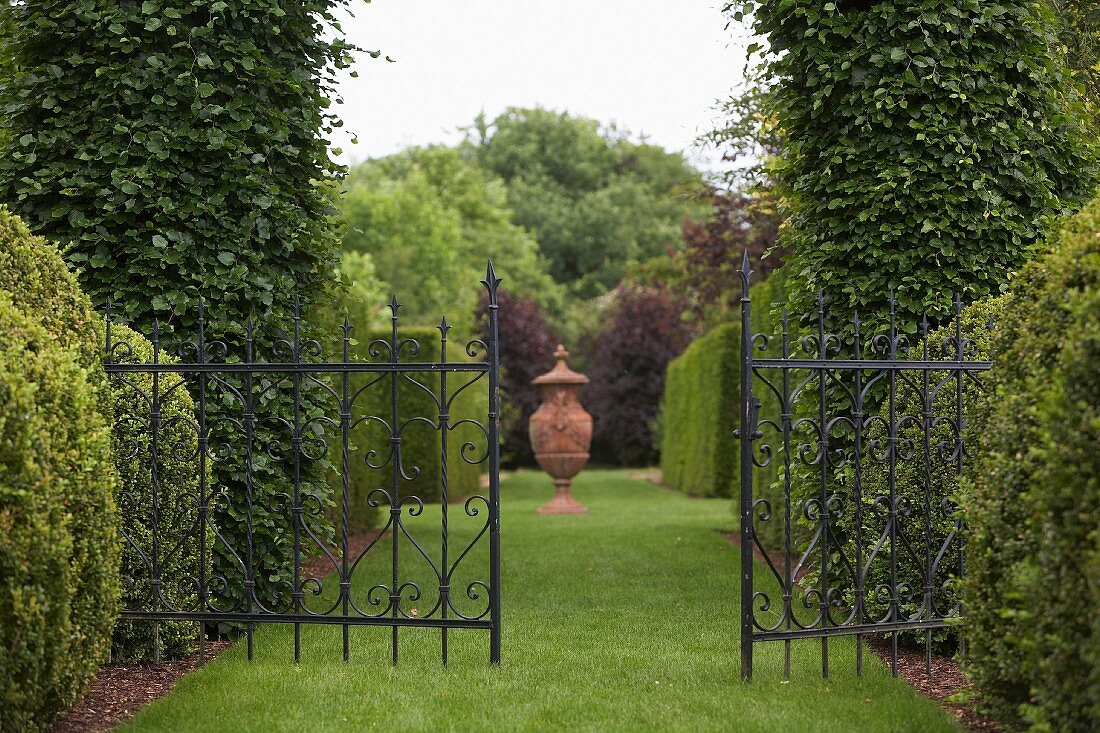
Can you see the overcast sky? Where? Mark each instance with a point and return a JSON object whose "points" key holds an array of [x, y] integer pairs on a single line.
{"points": [[656, 67]]}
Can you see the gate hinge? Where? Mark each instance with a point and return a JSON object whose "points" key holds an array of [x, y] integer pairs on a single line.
{"points": [[754, 421]]}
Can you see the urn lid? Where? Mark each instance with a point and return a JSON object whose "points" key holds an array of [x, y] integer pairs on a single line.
{"points": [[561, 373]]}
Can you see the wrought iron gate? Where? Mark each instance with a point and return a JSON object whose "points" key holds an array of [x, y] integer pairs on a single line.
{"points": [[846, 443], [271, 408]]}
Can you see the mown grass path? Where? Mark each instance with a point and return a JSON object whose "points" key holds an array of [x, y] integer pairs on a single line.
{"points": [[623, 619]]}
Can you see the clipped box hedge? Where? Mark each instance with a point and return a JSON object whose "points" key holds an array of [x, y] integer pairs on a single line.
{"points": [[699, 413], [42, 286], [1032, 497], [59, 582]]}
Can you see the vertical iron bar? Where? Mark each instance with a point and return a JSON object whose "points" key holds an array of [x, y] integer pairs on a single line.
{"points": [[788, 574], [249, 429], [746, 436], [491, 282], [823, 428], [444, 418], [296, 355], [154, 446], [857, 419], [395, 477], [892, 516], [960, 425], [345, 493], [926, 400], [204, 443]]}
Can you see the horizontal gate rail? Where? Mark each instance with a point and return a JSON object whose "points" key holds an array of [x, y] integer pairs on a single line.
{"points": [[261, 367], [849, 451], [256, 529]]}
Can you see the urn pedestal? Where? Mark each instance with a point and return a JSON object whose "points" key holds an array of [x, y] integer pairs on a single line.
{"points": [[561, 432]]}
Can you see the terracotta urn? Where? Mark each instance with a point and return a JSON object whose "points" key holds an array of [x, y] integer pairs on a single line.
{"points": [[561, 432]]}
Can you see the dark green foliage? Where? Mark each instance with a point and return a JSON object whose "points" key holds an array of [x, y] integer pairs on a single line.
{"points": [[1033, 502], [927, 147], [178, 146], [421, 443], [59, 580], [594, 200], [177, 491]]}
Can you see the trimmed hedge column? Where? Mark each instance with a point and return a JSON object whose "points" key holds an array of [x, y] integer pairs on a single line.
{"points": [[33, 272], [59, 583], [1033, 588]]}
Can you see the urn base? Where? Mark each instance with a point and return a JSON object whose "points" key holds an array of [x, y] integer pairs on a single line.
{"points": [[563, 501]]}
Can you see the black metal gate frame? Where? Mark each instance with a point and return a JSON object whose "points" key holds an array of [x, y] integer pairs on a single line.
{"points": [[205, 369], [889, 366]]}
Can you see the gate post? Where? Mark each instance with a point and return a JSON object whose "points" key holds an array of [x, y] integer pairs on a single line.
{"points": [[745, 434], [493, 347]]}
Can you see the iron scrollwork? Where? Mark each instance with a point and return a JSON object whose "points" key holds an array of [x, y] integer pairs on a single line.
{"points": [[848, 445], [427, 566]]}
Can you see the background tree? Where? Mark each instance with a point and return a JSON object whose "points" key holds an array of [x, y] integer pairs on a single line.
{"points": [[594, 200], [1079, 34], [713, 249], [438, 211], [527, 347], [644, 330]]}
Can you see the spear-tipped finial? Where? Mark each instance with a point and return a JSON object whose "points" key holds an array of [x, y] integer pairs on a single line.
{"points": [[393, 305], [745, 273], [443, 327], [347, 325], [491, 282], [297, 307]]}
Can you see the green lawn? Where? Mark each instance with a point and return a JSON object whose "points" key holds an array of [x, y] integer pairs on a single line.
{"points": [[622, 619]]}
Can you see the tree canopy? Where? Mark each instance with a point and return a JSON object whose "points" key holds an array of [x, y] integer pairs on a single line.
{"points": [[594, 199]]}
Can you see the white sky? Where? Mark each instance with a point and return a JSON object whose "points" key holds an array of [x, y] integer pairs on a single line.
{"points": [[656, 67]]}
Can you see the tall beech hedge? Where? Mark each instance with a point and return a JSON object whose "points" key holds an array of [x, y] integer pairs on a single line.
{"points": [[1032, 498], [59, 583], [928, 147], [179, 147]]}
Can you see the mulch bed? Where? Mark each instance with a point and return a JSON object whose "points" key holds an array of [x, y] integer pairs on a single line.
{"points": [[946, 681], [120, 690]]}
